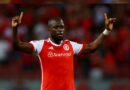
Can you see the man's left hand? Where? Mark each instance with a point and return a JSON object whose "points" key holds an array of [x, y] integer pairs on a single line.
{"points": [[109, 22]]}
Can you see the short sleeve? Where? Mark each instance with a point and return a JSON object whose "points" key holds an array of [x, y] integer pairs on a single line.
{"points": [[37, 45], [77, 47]]}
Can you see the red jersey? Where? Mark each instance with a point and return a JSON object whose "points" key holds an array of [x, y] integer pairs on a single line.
{"points": [[57, 63]]}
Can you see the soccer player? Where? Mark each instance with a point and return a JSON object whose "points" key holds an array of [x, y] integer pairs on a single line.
{"points": [[56, 53]]}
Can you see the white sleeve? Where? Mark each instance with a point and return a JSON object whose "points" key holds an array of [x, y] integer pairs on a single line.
{"points": [[76, 47], [37, 46]]}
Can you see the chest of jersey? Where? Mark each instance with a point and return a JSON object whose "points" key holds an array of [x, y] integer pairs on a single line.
{"points": [[57, 53], [55, 57]]}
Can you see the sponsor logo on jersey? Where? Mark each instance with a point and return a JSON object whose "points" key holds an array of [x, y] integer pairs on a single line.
{"points": [[66, 47], [53, 54]]}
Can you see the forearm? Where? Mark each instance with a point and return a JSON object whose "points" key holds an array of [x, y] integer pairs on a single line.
{"points": [[15, 38], [19, 45], [97, 42]]}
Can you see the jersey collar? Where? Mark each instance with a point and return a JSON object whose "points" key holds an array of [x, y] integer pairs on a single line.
{"points": [[49, 40]]}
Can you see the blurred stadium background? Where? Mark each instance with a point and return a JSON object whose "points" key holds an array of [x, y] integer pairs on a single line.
{"points": [[106, 69]]}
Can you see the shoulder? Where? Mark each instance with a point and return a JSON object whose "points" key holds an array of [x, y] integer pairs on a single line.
{"points": [[37, 41], [38, 45]]}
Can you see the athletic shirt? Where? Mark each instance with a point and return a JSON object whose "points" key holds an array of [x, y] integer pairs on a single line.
{"points": [[57, 63]]}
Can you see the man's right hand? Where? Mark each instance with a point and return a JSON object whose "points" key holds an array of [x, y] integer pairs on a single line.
{"points": [[16, 21]]}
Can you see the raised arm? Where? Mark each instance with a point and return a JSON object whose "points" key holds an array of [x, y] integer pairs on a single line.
{"points": [[17, 44], [97, 42]]}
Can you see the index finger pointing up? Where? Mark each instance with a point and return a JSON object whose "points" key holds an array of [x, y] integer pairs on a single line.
{"points": [[105, 15], [20, 17]]}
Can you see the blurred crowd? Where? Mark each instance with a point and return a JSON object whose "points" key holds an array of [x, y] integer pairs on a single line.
{"points": [[83, 24], [37, 2]]}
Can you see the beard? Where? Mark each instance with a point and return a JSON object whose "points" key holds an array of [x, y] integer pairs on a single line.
{"points": [[59, 38]]}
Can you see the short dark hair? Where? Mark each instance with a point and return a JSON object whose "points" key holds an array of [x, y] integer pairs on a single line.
{"points": [[56, 19]]}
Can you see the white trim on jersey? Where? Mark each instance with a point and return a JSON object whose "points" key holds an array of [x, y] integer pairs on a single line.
{"points": [[37, 45], [76, 47], [41, 65]]}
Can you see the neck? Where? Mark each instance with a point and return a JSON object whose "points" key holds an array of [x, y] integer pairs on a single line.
{"points": [[56, 41]]}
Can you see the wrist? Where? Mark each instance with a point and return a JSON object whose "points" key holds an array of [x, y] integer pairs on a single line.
{"points": [[106, 32], [15, 28]]}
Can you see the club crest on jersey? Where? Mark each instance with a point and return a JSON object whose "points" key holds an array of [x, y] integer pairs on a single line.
{"points": [[66, 47]]}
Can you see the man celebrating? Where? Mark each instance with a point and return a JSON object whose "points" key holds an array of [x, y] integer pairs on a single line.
{"points": [[56, 53]]}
